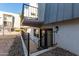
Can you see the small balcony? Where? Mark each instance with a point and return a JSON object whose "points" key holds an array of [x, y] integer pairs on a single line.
{"points": [[30, 14]]}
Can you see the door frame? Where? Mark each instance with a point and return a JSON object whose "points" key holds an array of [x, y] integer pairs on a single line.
{"points": [[45, 42]]}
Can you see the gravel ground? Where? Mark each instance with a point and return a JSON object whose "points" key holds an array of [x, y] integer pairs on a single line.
{"points": [[16, 49], [57, 52]]}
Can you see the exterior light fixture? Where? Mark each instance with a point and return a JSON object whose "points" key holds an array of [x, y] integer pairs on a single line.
{"points": [[56, 28]]}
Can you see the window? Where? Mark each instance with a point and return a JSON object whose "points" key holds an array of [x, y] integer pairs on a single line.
{"points": [[33, 14], [5, 23], [36, 32]]}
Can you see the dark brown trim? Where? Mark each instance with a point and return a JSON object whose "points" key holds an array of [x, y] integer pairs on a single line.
{"points": [[30, 6], [28, 44], [40, 37], [45, 39]]}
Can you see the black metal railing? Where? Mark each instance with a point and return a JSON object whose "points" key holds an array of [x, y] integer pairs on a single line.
{"points": [[26, 39], [30, 44]]}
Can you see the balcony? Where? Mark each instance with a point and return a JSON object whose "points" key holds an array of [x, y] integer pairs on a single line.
{"points": [[30, 14]]}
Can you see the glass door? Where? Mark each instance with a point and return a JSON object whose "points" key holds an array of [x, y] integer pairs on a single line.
{"points": [[49, 37], [46, 39]]}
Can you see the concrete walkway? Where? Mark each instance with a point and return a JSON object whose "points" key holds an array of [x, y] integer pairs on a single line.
{"points": [[5, 43], [57, 52]]}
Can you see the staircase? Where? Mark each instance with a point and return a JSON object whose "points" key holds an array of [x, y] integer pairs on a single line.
{"points": [[33, 47]]}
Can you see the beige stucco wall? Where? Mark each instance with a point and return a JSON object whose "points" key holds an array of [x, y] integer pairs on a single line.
{"points": [[31, 31], [16, 20], [1, 19]]}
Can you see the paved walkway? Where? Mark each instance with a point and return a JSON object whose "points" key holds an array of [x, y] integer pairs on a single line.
{"points": [[5, 43], [57, 52]]}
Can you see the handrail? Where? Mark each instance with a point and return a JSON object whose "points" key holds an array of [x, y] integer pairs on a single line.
{"points": [[26, 40], [24, 47], [34, 40], [30, 5]]}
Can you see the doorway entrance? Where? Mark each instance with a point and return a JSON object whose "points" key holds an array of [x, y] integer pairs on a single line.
{"points": [[46, 38]]}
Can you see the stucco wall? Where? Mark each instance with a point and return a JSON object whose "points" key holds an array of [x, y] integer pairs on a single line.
{"points": [[16, 18], [31, 31], [1, 19], [17, 21], [68, 35]]}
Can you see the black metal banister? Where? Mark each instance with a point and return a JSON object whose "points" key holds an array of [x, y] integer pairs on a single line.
{"points": [[26, 39], [30, 5]]}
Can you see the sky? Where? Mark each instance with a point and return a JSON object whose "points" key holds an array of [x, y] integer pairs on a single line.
{"points": [[11, 7]]}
